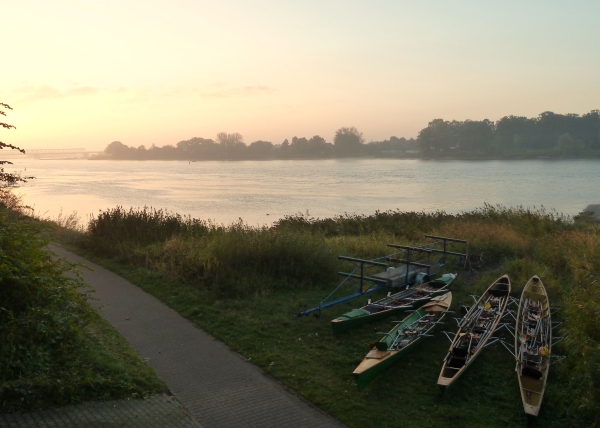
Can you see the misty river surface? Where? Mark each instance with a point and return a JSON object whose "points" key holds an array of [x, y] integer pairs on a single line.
{"points": [[262, 192]]}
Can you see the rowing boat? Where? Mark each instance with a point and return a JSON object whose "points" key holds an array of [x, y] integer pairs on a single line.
{"points": [[474, 331], [393, 303], [401, 338], [533, 343]]}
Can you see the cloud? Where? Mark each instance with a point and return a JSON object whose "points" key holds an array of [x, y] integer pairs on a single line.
{"points": [[35, 93], [83, 90], [29, 94], [243, 91], [222, 90]]}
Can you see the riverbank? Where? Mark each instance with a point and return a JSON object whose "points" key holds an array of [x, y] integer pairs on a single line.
{"points": [[55, 350], [243, 285]]}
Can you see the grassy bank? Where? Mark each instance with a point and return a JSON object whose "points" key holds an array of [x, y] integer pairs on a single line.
{"points": [[55, 349], [244, 284]]}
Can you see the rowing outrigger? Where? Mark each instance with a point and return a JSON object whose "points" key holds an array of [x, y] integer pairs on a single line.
{"points": [[405, 335], [474, 331], [412, 298], [533, 344]]}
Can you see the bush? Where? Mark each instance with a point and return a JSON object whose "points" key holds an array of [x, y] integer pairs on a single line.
{"points": [[41, 311], [55, 349], [116, 230]]}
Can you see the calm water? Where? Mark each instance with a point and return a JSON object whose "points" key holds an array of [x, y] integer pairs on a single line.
{"points": [[226, 191]]}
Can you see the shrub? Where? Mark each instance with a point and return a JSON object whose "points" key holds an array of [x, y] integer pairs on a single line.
{"points": [[54, 348]]}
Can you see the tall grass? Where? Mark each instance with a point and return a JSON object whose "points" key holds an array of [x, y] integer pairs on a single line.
{"points": [[117, 227], [238, 260]]}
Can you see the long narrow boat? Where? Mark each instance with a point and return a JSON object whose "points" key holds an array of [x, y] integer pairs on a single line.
{"points": [[401, 338], [533, 344], [392, 304], [474, 331]]}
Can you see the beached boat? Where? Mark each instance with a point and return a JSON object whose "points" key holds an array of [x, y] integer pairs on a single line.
{"points": [[475, 329], [533, 343], [401, 338], [393, 303]]}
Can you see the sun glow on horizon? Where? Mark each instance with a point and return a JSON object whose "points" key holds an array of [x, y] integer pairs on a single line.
{"points": [[83, 75]]}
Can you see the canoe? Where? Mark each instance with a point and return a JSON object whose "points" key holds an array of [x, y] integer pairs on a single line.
{"points": [[404, 336], [393, 303], [474, 331], [533, 343]]}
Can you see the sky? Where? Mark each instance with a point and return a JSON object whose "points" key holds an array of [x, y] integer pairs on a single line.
{"points": [[84, 74]]}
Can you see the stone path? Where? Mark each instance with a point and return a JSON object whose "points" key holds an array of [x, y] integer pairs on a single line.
{"points": [[156, 411], [215, 385]]}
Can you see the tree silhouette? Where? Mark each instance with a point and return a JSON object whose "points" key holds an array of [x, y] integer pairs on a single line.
{"points": [[348, 141], [8, 179]]}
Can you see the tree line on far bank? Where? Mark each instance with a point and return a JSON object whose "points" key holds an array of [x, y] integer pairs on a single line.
{"points": [[347, 142], [548, 135]]}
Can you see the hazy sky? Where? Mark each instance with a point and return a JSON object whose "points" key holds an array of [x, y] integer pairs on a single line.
{"points": [[85, 73]]}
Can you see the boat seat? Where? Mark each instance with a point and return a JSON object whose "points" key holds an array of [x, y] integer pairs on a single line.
{"points": [[530, 391], [456, 363], [459, 352], [374, 308], [531, 372]]}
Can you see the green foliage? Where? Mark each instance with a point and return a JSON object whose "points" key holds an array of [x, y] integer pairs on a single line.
{"points": [[230, 260], [569, 145], [52, 351], [117, 230], [513, 136], [8, 179], [549, 135]]}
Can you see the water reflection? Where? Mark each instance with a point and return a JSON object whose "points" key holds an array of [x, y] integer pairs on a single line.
{"points": [[225, 191]]}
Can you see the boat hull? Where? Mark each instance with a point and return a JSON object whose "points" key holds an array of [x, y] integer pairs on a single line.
{"points": [[380, 358], [532, 383], [340, 325], [458, 359], [365, 376]]}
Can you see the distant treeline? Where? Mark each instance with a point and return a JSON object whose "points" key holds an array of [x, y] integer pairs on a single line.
{"points": [[548, 135]]}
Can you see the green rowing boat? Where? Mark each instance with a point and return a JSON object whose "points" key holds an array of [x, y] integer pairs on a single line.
{"points": [[393, 303], [401, 338]]}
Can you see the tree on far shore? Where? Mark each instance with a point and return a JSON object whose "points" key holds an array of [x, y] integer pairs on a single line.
{"points": [[348, 141]]}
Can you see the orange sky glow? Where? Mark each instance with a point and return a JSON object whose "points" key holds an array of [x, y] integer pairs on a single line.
{"points": [[83, 74]]}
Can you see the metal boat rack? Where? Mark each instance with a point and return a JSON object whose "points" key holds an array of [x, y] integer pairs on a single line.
{"points": [[397, 273]]}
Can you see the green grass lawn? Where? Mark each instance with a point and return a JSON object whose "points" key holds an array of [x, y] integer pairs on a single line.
{"points": [[307, 357], [244, 286]]}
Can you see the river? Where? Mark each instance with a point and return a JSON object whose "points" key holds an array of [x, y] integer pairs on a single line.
{"points": [[261, 192]]}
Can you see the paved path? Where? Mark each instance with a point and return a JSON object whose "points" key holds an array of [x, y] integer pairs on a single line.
{"points": [[216, 385], [158, 411]]}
